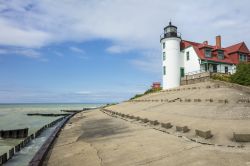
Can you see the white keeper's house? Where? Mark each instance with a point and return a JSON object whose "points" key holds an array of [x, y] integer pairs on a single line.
{"points": [[181, 57]]}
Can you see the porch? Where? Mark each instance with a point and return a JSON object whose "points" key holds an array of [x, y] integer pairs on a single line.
{"points": [[215, 67]]}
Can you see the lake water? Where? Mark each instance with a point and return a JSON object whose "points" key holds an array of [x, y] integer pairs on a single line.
{"points": [[13, 116]]}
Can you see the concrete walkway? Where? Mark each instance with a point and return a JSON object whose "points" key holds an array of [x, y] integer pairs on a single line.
{"points": [[94, 138]]}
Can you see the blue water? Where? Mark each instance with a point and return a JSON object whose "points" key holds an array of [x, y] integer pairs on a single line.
{"points": [[13, 116]]}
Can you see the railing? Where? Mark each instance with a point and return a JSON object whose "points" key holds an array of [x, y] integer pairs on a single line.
{"points": [[204, 71], [196, 72], [200, 76], [166, 35]]}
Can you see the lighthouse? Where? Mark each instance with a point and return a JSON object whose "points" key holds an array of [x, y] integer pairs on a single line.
{"points": [[171, 58]]}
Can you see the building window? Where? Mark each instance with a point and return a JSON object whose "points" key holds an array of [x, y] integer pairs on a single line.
{"points": [[163, 45], [220, 54], [187, 55], [164, 56], [243, 58], [208, 53], [164, 70]]}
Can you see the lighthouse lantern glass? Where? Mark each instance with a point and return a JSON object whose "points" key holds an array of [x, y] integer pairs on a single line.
{"points": [[171, 29]]}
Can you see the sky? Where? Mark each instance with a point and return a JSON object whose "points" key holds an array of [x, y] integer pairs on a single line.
{"points": [[84, 51]]}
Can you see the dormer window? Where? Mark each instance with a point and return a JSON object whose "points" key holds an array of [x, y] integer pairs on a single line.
{"points": [[220, 54], [243, 58], [208, 53]]}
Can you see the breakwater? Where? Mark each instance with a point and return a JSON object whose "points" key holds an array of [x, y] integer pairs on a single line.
{"points": [[42, 114], [40, 156], [18, 133], [11, 152], [76, 111]]}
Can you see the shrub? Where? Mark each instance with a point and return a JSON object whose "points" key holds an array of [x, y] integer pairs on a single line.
{"points": [[242, 75], [147, 92], [136, 96], [109, 104], [221, 77], [152, 90]]}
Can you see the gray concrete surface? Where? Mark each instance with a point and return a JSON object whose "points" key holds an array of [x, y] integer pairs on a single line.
{"points": [[95, 138]]}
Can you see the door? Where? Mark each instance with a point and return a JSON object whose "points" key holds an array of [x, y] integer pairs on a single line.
{"points": [[182, 72], [215, 68], [226, 69], [206, 67]]}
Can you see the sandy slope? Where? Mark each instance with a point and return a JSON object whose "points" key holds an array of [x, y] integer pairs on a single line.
{"points": [[95, 138], [222, 119]]}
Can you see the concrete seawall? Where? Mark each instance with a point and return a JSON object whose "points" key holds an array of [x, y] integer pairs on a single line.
{"points": [[9, 154], [40, 156]]}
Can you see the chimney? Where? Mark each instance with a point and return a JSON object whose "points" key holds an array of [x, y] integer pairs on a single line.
{"points": [[205, 43], [218, 41]]}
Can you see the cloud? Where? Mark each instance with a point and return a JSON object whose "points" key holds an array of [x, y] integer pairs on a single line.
{"points": [[136, 23], [58, 53], [150, 61], [129, 25], [117, 49], [13, 35], [26, 52], [31, 53], [77, 50], [83, 92]]}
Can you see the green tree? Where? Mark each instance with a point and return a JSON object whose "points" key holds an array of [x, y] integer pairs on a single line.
{"points": [[242, 75]]}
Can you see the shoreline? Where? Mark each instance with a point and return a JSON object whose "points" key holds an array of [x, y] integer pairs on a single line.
{"points": [[17, 114]]}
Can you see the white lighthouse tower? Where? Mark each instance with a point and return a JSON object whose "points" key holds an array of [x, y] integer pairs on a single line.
{"points": [[170, 42]]}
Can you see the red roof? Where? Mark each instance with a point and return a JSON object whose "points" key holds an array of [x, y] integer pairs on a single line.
{"points": [[229, 52], [241, 47], [156, 83]]}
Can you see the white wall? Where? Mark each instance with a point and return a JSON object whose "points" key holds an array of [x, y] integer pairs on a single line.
{"points": [[182, 59], [172, 63], [221, 68], [233, 69], [193, 63]]}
